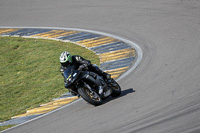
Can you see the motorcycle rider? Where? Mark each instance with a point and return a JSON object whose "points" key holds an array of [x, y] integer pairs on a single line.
{"points": [[66, 59]]}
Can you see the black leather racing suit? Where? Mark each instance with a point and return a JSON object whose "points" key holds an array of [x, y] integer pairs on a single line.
{"points": [[79, 63]]}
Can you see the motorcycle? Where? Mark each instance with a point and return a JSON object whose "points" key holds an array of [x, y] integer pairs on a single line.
{"points": [[90, 86]]}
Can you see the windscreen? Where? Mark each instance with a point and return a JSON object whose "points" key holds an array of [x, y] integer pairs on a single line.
{"points": [[68, 71]]}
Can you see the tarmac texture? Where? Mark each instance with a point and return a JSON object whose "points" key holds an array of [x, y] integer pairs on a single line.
{"points": [[166, 82]]}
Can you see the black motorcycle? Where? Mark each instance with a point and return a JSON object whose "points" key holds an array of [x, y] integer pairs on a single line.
{"points": [[90, 86]]}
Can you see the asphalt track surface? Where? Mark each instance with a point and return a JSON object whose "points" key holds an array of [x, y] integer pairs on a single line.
{"points": [[166, 82]]}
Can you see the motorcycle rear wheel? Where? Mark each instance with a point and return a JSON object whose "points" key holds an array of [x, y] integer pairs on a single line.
{"points": [[115, 88], [91, 97]]}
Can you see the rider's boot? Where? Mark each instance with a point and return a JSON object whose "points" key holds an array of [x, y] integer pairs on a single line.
{"points": [[107, 76]]}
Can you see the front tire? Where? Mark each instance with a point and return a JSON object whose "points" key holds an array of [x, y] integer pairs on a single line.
{"points": [[91, 97]]}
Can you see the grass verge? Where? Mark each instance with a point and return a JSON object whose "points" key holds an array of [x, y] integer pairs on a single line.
{"points": [[29, 72], [5, 127]]}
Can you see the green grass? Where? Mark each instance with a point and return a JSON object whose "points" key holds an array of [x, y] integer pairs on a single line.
{"points": [[30, 72], [6, 127]]}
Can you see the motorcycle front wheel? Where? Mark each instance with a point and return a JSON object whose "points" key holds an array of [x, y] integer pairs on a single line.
{"points": [[90, 96]]}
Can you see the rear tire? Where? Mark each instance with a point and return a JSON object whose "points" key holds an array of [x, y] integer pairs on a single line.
{"points": [[115, 88], [91, 97]]}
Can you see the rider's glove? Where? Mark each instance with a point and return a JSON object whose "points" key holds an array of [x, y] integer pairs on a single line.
{"points": [[84, 66]]}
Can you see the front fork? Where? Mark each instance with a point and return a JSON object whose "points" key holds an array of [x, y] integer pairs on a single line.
{"points": [[87, 86]]}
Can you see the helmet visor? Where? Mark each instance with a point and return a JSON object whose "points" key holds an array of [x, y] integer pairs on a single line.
{"points": [[65, 64]]}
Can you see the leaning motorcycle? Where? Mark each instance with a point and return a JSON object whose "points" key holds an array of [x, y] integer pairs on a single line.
{"points": [[90, 86]]}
